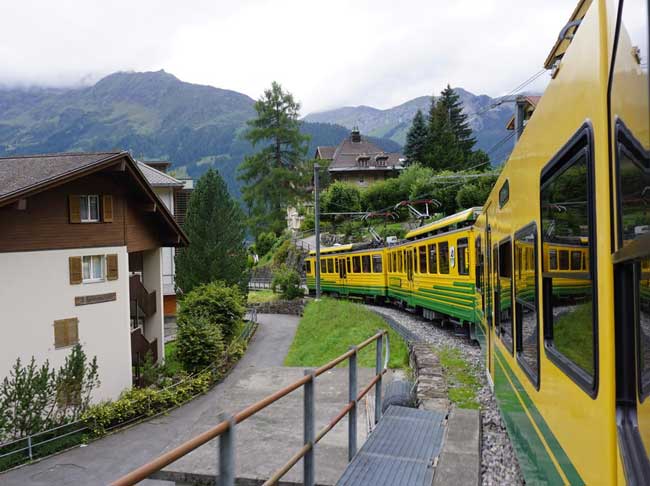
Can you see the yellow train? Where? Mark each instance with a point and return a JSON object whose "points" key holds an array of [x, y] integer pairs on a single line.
{"points": [[554, 272]]}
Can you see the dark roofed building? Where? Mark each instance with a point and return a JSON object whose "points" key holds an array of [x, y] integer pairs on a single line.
{"points": [[359, 161]]}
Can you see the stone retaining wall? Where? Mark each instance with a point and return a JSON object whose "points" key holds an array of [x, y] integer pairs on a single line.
{"points": [[293, 307], [431, 385]]}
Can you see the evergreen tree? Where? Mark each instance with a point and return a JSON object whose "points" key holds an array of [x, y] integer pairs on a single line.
{"points": [[450, 140], [275, 176], [416, 139], [215, 227]]}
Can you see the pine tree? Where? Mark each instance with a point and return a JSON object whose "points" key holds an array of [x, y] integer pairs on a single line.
{"points": [[275, 176], [416, 139], [450, 101], [216, 230]]}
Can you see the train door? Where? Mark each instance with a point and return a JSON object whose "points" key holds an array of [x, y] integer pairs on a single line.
{"points": [[629, 117], [343, 276], [487, 293], [409, 273]]}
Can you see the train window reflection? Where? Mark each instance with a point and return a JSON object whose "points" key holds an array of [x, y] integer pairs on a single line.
{"points": [[644, 324], [330, 265], [463, 256], [505, 293], [423, 259], [526, 302], [565, 223], [635, 195], [365, 263], [376, 263], [356, 264]]}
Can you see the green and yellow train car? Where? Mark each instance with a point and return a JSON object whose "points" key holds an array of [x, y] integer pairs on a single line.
{"points": [[355, 270], [433, 271], [564, 250]]}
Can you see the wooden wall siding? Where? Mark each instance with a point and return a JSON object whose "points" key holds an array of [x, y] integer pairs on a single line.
{"points": [[44, 224]]}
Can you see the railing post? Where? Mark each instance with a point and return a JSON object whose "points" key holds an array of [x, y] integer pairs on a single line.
{"points": [[309, 428], [227, 453], [352, 397], [29, 447], [378, 370]]}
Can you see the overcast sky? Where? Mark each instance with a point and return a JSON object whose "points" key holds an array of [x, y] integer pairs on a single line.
{"points": [[328, 53]]}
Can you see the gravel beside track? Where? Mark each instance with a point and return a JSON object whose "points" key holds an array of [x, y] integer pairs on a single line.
{"points": [[499, 464]]}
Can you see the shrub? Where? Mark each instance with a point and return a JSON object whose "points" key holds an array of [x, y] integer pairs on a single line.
{"points": [[289, 282], [215, 303], [34, 398], [264, 243], [282, 253], [200, 343], [308, 223], [341, 196]]}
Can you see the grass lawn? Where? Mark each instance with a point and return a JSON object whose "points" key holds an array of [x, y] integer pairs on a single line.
{"points": [[329, 327], [573, 336], [171, 361], [262, 296], [462, 383]]}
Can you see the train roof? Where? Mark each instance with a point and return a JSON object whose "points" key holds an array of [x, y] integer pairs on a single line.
{"points": [[341, 248], [468, 215]]}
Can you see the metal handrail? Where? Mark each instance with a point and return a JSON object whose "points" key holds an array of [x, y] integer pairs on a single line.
{"points": [[225, 429]]}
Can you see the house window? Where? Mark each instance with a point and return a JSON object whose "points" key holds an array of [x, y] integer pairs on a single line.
{"points": [[93, 268], [89, 208], [66, 332]]}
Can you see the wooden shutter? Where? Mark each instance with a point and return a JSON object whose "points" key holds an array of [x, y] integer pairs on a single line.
{"points": [[76, 275], [111, 267], [107, 208], [75, 209], [66, 332]]}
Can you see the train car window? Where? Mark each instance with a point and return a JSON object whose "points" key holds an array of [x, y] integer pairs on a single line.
{"points": [[349, 267], [323, 266], [415, 260], [365, 263], [307, 266], [356, 264], [643, 291], [376, 263], [567, 215], [336, 265], [552, 259], [423, 259], [576, 260], [564, 259], [330, 265], [400, 261], [526, 302], [505, 293], [433, 259], [504, 194], [443, 252], [462, 249]]}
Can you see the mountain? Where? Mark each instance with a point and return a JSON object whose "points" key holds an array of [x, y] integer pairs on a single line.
{"points": [[154, 115], [394, 123]]}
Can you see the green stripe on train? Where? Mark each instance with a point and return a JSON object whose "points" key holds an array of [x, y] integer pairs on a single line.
{"points": [[534, 460]]}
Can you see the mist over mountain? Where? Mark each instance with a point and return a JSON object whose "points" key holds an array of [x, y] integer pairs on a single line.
{"points": [[154, 115]]}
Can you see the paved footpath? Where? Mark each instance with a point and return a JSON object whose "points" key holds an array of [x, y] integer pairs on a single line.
{"points": [[107, 459]]}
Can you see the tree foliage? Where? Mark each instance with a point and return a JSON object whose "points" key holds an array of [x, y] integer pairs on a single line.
{"points": [[265, 242], [35, 398], [275, 176], [341, 197], [215, 227], [416, 139]]}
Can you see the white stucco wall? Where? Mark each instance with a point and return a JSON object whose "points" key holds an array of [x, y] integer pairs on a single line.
{"points": [[154, 326], [166, 194], [35, 291]]}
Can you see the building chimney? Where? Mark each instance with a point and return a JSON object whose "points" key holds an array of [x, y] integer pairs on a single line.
{"points": [[355, 136]]}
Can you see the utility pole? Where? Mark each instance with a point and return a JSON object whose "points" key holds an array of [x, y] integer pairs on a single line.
{"points": [[317, 227]]}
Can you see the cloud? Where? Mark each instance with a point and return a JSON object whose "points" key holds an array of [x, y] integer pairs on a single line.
{"points": [[374, 52]]}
